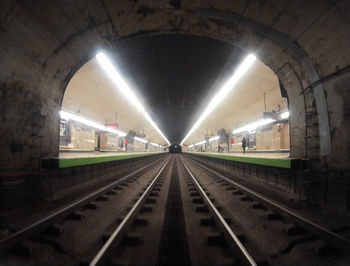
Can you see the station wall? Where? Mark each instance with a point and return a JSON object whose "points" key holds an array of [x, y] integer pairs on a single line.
{"points": [[77, 136], [275, 139], [110, 142], [272, 138], [83, 138]]}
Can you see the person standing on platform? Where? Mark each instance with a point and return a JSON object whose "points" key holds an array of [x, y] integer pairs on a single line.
{"points": [[126, 145], [244, 144]]}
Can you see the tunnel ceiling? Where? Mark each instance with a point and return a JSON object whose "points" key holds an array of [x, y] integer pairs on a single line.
{"points": [[175, 76]]}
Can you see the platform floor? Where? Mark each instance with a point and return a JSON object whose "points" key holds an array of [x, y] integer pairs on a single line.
{"points": [[278, 159], [92, 154], [274, 155], [70, 159], [281, 160], [268, 155]]}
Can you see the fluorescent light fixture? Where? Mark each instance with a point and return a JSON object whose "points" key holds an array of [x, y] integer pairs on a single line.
{"points": [[115, 76], [157, 145], [70, 116], [147, 116], [204, 141], [285, 115], [140, 140], [253, 126], [225, 89], [201, 142], [214, 138]]}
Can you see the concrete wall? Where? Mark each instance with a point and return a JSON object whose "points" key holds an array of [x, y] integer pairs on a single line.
{"points": [[82, 138], [43, 43], [139, 146], [58, 183], [276, 138], [109, 142], [154, 148], [326, 191], [284, 135]]}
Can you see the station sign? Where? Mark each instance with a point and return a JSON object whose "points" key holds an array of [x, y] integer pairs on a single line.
{"points": [[112, 126]]}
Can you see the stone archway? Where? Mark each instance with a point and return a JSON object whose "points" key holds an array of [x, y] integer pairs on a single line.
{"points": [[286, 59], [41, 53]]}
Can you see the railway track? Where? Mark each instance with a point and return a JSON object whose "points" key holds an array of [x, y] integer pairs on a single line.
{"points": [[55, 232], [175, 211], [233, 241], [179, 193], [117, 235], [326, 246]]}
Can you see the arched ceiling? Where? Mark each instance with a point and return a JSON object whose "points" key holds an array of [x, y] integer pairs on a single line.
{"points": [[174, 76], [258, 89], [92, 95]]}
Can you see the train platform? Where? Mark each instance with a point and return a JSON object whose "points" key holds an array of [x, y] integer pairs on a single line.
{"points": [[71, 159], [278, 159]]}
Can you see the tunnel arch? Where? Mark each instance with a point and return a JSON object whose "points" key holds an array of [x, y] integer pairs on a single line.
{"points": [[43, 66], [90, 94], [289, 71], [298, 148], [124, 42]]}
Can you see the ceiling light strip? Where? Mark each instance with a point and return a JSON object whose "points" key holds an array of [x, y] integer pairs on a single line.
{"points": [[114, 75], [70, 116], [249, 127], [201, 142], [253, 126], [157, 145], [140, 140], [225, 89], [214, 138]]}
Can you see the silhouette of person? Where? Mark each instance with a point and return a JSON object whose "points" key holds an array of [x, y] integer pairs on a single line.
{"points": [[244, 144]]}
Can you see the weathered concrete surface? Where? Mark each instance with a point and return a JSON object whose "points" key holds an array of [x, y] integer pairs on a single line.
{"points": [[44, 42], [52, 184]]}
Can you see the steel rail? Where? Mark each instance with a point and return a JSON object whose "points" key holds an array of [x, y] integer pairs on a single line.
{"points": [[31, 229], [234, 243], [335, 239], [116, 236]]}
